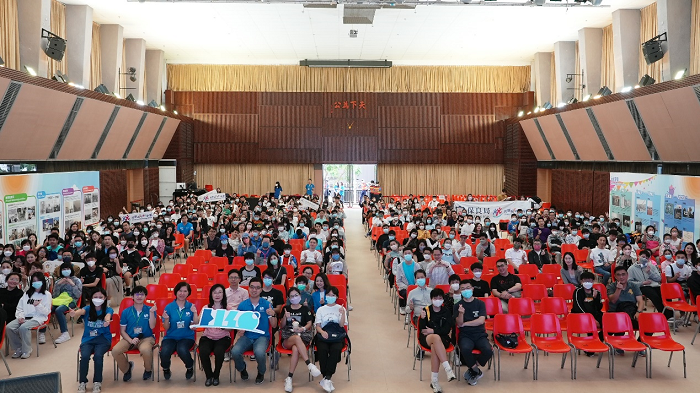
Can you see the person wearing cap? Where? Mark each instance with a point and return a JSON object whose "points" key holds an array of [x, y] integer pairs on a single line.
{"points": [[246, 246], [224, 249], [461, 249]]}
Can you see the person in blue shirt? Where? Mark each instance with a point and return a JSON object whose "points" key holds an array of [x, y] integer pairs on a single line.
{"points": [[187, 230], [255, 238], [136, 328], [258, 342], [310, 188], [177, 318], [321, 283], [264, 251], [97, 338], [246, 246], [278, 190]]}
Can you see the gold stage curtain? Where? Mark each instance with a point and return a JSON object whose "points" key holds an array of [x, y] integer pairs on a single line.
{"points": [[95, 58], [9, 33], [294, 78], [448, 179], [607, 67], [255, 179], [648, 31], [695, 39], [58, 27]]}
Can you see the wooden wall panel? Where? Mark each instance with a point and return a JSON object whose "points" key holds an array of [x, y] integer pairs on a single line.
{"points": [[520, 161], [284, 127], [151, 185], [112, 191], [583, 190]]}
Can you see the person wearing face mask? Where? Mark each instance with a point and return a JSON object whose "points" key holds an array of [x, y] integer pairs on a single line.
{"points": [[484, 248], [111, 267], [33, 310], [481, 287], [680, 271], [331, 317], [66, 293], [273, 295], [586, 242], [405, 276], [447, 253], [651, 241], [626, 256], [419, 297], [249, 270], [587, 299], [470, 317], [434, 326], [224, 249], [6, 269], [296, 334], [279, 273], [572, 236], [516, 256], [265, 251], [461, 249], [538, 255], [336, 264], [468, 227], [693, 280], [9, 299], [90, 275], [647, 276], [130, 259]]}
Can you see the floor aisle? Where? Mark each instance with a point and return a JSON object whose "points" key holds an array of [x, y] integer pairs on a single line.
{"points": [[381, 362]]}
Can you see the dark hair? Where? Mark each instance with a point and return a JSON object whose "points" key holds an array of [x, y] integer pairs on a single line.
{"points": [[301, 279], [681, 252], [620, 268], [179, 286], [268, 272], [419, 271], [573, 258], [293, 289], [69, 266], [502, 260], [93, 312], [307, 267], [453, 277], [465, 281], [586, 275], [437, 292], [211, 297], [234, 271], [255, 279], [40, 277], [333, 289], [249, 255], [326, 283], [139, 289], [19, 276], [477, 265], [647, 253]]}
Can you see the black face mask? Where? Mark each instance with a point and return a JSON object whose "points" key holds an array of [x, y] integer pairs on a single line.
{"points": [[130, 245]]}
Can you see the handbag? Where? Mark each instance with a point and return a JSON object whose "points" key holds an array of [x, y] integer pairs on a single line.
{"points": [[508, 340], [336, 333]]}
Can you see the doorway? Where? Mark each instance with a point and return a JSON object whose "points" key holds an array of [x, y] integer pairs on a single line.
{"points": [[349, 181]]}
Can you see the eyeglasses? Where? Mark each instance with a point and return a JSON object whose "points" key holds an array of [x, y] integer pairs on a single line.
{"points": [[255, 287]]}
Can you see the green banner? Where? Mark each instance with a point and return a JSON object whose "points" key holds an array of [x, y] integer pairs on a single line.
{"points": [[15, 198]]}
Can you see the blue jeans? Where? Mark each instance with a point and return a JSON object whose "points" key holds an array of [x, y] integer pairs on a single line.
{"points": [[97, 347], [605, 271], [59, 312], [182, 346], [259, 347]]}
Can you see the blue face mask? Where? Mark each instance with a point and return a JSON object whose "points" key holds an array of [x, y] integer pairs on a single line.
{"points": [[301, 287], [668, 257], [331, 300], [273, 262], [408, 257], [420, 282], [249, 262], [391, 237], [267, 282], [266, 245], [78, 244], [452, 236], [467, 293], [37, 284], [336, 257], [65, 273]]}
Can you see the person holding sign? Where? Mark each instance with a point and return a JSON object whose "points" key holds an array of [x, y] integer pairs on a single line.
{"points": [[295, 330], [214, 340], [177, 318], [136, 328], [258, 342]]}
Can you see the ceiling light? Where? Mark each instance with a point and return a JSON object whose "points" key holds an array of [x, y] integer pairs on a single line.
{"points": [[30, 70], [153, 104], [139, 102], [521, 113], [102, 89], [529, 113], [626, 89], [547, 105], [646, 81], [680, 74], [76, 85], [587, 97], [604, 91], [60, 77], [595, 97], [131, 98], [55, 45], [573, 100]]}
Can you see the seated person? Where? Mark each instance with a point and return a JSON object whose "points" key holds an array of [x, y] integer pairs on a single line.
{"points": [[9, 299], [439, 271], [405, 276], [418, 298], [679, 272], [289, 259], [470, 316], [586, 243], [224, 249], [571, 272], [485, 248], [312, 256], [481, 288], [647, 276], [434, 326], [302, 283], [296, 332], [538, 255], [73, 287], [234, 293], [625, 295], [249, 270], [336, 264], [586, 299], [516, 256], [693, 280], [137, 323], [273, 295], [602, 259], [505, 285]]}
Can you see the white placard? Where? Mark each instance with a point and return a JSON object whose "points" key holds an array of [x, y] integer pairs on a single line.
{"points": [[137, 217], [496, 211]]}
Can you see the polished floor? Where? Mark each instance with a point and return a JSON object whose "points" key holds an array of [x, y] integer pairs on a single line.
{"points": [[382, 363]]}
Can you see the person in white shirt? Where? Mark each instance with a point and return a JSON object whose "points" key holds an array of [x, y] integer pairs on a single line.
{"points": [[33, 310], [461, 248], [679, 271], [516, 256], [468, 226], [439, 271], [312, 255], [602, 259]]}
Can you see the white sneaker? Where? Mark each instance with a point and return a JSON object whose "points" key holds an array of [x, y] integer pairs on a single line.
{"points": [[42, 338], [26, 355], [97, 387], [227, 357], [63, 338], [17, 354], [450, 376], [315, 372], [325, 384], [288, 384], [349, 308], [81, 387], [330, 383], [436, 387], [402, 311]]}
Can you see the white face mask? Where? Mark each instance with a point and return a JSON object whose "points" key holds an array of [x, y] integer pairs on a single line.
{"points": [[437, 302], [454, 287], [448, 246], [90, 263], [587, 285], [144, 242], [477, 274], [98, 301]]}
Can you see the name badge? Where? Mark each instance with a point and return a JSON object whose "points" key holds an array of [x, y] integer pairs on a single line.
{"points": [[93, 333], [181, 324], [138, 330]]}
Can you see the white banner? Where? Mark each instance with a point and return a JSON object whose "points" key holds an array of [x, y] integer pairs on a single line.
{"points": [[496, 211], [137, 217], [208, 197], [307, 204]]}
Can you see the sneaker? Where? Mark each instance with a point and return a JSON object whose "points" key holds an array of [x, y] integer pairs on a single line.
{"points": [[97, 387], [17, 354], [167, 373], [288, 384], [458, 361], [215, 381], [470, 377], [330, 384], [451, 376], [349, 308], [189, 373], [208, 382], [315, 372], [436, 387], [62, 338], [642, 354], [127, 374], [402, 311], [26, 355], [259, 379], [252, 358], [81, 387], [147, 375], [227, 357], [244, 375], [325, 385], [478, 373], [42, 338]]}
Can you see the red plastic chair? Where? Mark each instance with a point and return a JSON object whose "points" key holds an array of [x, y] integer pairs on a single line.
{"points": [[566, 292], [620, 322], [183, 269], [655, 334], [221, 278], [673, 297], [572, 248], [220, 262], [507, 324], [529, 270], [493, 308], [48, 330], [549, 280], [195, 261], [490, 265], [552, 268], [126, 303], [697, 304], [200, 280], [2, 353], [522, 307], [204, 254], [556, 306], [135, 351], [603, 295], [170, 279], [208, 269], [582, 335], [230, 369], [536, 292], [467, 262], [269, 352], [448, 350], [546, 336], [156, 291]]}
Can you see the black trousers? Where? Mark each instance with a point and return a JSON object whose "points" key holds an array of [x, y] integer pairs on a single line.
{"points": [[654, 294], [467, 344], [208, 346], [328, 356]]}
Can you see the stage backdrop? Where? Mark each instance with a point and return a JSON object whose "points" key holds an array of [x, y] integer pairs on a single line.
{"points": [[35, 203], [664, 201]]}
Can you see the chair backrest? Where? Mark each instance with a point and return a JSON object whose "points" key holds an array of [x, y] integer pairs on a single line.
{"points": [[552, 268], [653, 322], [183, 269], [467, 262], [114, 329], [126, 303], [617, 322], [572, 248], [529, 270], [536, 292], [490, 264], [156, 291], [545, 323], [220, 262], [524, 278], [337, 280], [672, 291], [546, 279], [206, 254], [523, 306], [565, 291], [210, 270], [580, 324], [200, 302], [602, 289], [169, 279], [195, 260], [198, 279], [508, 323], [282, 289], [179, 239], [205, 291], [581, 255], [493, 306], [221, 278], [554, 305]]}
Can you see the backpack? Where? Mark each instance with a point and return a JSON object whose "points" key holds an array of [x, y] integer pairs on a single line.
{"points": [[508, 340]]}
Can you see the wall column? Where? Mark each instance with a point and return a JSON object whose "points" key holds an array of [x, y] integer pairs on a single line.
{"points": [[590, 51], [79, 35], [626, 44], [112, 45], [155, 68], [136, 57], [674, 18], [33, 16], [564, 63], [543, 71]]}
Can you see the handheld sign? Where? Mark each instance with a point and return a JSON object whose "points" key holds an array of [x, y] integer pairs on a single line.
{"points": [[137, 217], [230, 319]]}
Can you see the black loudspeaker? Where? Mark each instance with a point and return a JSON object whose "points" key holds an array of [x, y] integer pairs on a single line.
{"points": [[40, 383], [653, 51]]}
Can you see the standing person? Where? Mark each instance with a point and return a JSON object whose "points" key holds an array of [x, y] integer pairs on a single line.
{"points": [[214, 340], [136, 329], [278, 190], [97, 338], [33, 310], [177, 318], [435, 325], [310, 188], [331, 320], [296, 334], [258, 342], [470, 317]]}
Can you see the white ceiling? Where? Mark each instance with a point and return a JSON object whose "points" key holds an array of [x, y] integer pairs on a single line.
{"points": [[211, 33]]}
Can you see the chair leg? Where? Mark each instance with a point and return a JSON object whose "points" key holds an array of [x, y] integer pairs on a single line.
{"points": [[6, 365], [669, 359], [684, 374], [194, 367], [563, 360], [696, 334]]}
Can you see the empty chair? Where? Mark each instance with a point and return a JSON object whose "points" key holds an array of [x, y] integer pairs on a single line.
{"points": [[493, 308], [566, 292], [549, 280], [620, 322], [523, 307], [536, 292], [546, 336], [529, 270], [655, 334], [509, 324], [582, 334], [556, 306], [183, 269], [674, 299]]}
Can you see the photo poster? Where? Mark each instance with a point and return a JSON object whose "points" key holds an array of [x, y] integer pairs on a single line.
{"points": [[664, 201], [34, 203], [91, 205], [72, 208]]}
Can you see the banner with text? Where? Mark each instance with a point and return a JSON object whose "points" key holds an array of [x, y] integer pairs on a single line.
{"points": [[230, 319], [137, 217], [496, 211]]}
